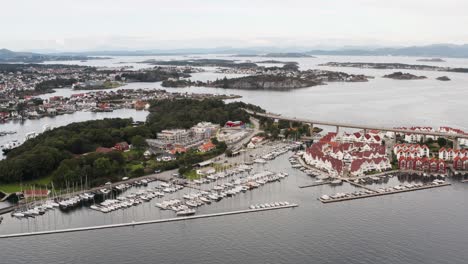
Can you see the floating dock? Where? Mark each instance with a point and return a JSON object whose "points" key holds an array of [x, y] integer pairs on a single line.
{"points": [[79, 229], [315, 184], [383, 193]]}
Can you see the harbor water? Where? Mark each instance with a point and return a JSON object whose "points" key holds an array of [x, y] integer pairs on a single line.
{"points": [[426, 226]]}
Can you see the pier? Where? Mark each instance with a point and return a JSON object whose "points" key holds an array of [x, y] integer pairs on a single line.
{"points": [[315, 184], [359, 185], [383, 193], [80, 229]]}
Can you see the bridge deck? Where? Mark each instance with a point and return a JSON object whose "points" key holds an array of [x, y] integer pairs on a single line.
{"points": [[358, 126]]}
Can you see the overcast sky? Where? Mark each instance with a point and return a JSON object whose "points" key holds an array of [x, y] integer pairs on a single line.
{"points": [[143, 24]]}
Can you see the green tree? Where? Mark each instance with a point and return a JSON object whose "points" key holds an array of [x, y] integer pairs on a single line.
{"points": [[442, 142], [138, 142], [102, 166]]}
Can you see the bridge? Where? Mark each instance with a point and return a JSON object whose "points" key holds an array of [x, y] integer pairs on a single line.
{"points": [[338, 125]]}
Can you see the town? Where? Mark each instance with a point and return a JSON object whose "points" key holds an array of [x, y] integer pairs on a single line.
{"points": [[21, 85]]}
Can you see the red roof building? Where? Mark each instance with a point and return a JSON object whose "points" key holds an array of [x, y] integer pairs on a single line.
{"points": [[104, 150], [36, 193], [207, 147]]}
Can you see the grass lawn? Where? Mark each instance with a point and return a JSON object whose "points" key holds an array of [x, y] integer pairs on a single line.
{"points": [[16, 187], [221, 167], [192, 175]]}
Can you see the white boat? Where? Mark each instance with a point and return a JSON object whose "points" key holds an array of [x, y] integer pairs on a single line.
{"points": [[186, 212], [214, 197], [205, 200], [337, 181]]}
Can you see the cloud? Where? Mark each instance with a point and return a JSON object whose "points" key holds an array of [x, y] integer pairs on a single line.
{"points": [[135, 24]]}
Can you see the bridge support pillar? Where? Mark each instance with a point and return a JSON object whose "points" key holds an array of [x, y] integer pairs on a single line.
{"points": [[290, 124], [311, 128], [337, 129], [456, 144], [365, 131]]}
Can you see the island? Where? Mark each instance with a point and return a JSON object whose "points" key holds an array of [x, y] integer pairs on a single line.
{"points": [[277, 62], [201, 63], [432, 60], [391, 66], [443, 78], [273, 78], [404, 76], [277, 55]]}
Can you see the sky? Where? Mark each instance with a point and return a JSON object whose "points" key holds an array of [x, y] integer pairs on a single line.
{"points": [[80, 25]]}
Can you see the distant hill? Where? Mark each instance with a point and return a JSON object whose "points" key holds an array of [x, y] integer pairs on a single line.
{"points": [[437, 50], [8, 56]]}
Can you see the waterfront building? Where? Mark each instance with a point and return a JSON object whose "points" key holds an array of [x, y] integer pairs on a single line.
{"points": [[460, 163], [355, 158], [450, 154], [431, 165], [410, 150]]}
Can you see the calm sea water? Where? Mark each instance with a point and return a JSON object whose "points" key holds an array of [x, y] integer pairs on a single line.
{"points": [[417, 227]]}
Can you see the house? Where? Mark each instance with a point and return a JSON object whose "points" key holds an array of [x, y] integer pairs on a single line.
{"points": [[460, 163], [122, 146], [177, 149], [423, 164], [206, 147]]}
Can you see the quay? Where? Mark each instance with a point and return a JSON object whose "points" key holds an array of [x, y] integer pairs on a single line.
{"points": [[383, 193], [80, 229]]}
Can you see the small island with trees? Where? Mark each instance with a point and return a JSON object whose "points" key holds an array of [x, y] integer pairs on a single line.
{"points": [[404, 76]]}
